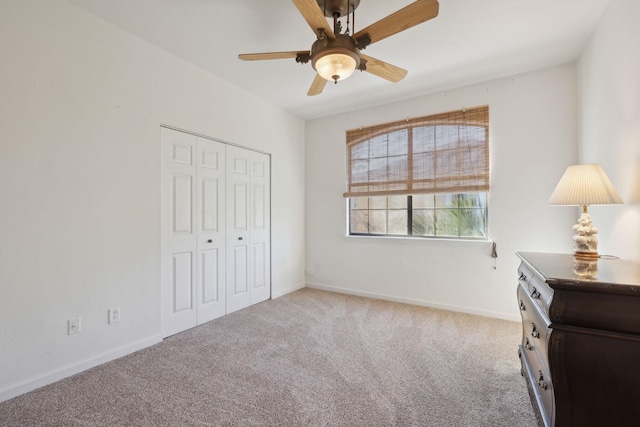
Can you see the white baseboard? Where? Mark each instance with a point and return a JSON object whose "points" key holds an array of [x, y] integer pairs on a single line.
{"points": [[33, 383], [281, 292], [468, 310]]}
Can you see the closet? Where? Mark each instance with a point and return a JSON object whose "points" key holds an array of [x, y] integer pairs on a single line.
{"points": [[215, 229]]}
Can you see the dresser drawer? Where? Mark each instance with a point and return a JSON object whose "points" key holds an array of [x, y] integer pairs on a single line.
{"points": [[535, 325], [537, 289], [539, 383]]}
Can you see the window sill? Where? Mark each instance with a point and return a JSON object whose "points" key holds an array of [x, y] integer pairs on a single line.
{"points": [[439, 240]]}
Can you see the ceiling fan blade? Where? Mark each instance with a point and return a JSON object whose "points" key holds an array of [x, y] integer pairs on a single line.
{"points": [[311, 13], [405, 18], [382, 69], [270, 55], [317, 86]]}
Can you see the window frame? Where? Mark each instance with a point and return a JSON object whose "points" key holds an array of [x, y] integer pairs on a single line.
{"points": [[449, 157]]}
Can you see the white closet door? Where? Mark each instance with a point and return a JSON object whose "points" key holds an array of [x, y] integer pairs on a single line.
{"points": [[215, 240], [238, 243], [193, 230], [210, 277], [178, 235], [260, 229]]}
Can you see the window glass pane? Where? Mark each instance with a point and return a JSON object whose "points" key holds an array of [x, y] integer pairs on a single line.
{"points": [[397, 168], [397, 202], [398, 143], [472, 134], [421, 201], [397, 222], [378, 222], [446, 224], [471, 222], [378, 146], [359, 202], [378, 202], [360, 151], [423, 222], [378, 169], [360, 171], [423, 166], [443, 200], [446, 163], [423, 139], [359, 221], [446, 136], [467, 200]]}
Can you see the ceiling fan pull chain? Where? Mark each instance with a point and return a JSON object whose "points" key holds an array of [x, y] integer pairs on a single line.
{"points": [[353, 19], [348, 7]]}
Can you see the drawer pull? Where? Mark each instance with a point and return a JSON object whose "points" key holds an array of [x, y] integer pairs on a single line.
{"points": [[522, 277], [535, 332], [522, 307], [527, 345], [534, 293], [541, 382]]}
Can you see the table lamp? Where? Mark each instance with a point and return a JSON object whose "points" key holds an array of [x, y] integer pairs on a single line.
{"points": [[584, 185]]}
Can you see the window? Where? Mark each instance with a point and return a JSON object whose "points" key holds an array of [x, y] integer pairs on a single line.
{"points": [[426, 177]]}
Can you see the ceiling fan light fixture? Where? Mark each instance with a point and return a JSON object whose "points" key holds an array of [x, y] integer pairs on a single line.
{"points": [[336, 66], [335, 59]]}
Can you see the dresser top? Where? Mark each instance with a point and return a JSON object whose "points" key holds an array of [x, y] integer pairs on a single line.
{"points": [[563, 271]]}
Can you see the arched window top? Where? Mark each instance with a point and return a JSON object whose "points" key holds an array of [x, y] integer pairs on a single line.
{"points": [[442, 153]]}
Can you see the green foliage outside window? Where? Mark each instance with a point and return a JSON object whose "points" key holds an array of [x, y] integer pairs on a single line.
{"points": [[460, 215]]}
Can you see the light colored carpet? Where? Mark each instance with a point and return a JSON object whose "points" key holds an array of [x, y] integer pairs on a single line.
{"points": [[309, 358]]}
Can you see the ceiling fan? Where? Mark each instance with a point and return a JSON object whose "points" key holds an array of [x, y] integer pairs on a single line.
{"points": [[335, 55]]}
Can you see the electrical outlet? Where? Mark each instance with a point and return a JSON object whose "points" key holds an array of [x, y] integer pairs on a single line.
{"points": [[73, 326], [114, 315]]}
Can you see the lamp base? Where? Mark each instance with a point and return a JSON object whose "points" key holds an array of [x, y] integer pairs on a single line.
{"points": [[585, 242]]}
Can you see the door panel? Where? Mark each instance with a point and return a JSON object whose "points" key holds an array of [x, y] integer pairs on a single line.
{"points": [[240, 275], [210, 280], [178, 237], [240, 211], [260, 228], [238, 262], [211, 230], [210, 203], [259, 272], [181, 204], [259, 208], [182, 281]]}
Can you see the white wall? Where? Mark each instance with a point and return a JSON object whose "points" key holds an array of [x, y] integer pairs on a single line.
{"points": [[609, 75], [533, 138], [80, 112]]}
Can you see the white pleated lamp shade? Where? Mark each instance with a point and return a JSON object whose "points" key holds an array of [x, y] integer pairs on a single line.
{"points": [[584, 185]]}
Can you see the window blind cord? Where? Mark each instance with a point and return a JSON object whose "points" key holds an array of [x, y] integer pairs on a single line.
{"points": [[494, 253]]}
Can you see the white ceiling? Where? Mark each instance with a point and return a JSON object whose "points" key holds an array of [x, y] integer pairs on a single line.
{"points": [[469, 42]]}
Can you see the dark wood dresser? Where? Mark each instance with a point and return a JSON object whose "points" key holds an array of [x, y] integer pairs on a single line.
{"points": [[580, 349]]}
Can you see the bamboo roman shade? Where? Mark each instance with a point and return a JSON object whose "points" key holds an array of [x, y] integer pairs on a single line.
{"points": [[442, 153]]}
